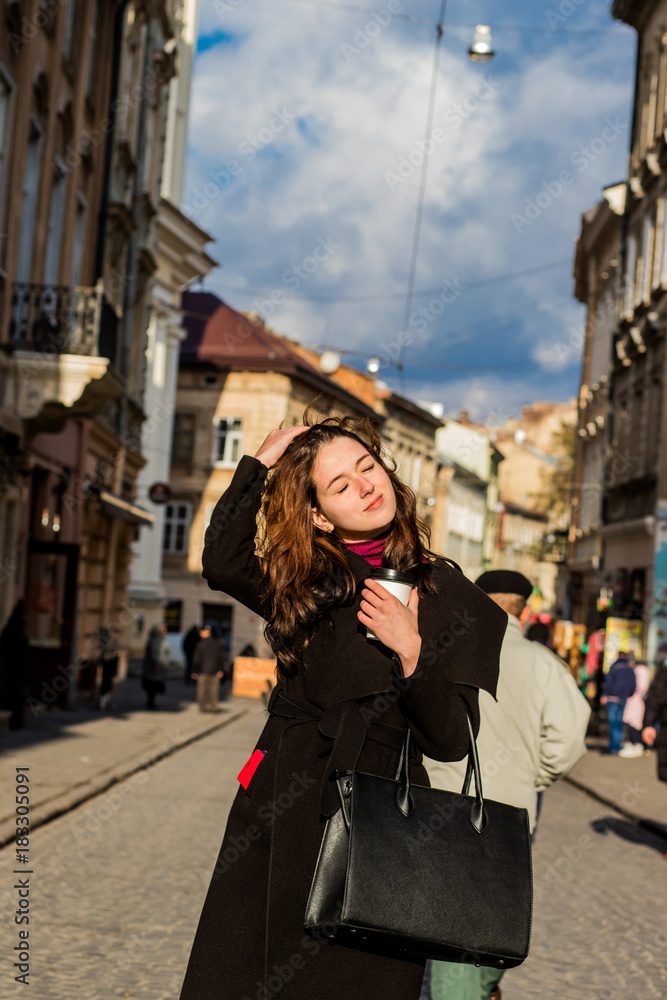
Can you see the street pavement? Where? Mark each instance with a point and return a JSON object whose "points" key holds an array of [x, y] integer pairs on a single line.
{"points": [[119, 881], [76, 754]]}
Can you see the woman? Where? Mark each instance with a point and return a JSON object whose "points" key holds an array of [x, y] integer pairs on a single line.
{"points": [[331, 506], [156, 663]]}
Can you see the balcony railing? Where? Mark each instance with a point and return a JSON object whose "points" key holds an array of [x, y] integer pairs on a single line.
{"points": [[61, 319]]}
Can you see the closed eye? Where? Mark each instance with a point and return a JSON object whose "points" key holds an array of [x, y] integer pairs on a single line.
{"points": [[363, 470]]}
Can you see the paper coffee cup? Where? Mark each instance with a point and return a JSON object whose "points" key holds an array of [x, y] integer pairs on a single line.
{"points": [[397, 582]]}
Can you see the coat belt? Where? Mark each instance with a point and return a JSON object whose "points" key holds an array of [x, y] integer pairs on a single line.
{"points": [[343, 730]]}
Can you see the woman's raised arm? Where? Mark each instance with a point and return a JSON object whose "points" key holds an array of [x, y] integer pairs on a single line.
{"points": [[228, 560]]}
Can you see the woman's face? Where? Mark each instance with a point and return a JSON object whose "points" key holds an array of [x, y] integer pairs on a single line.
{"points": [[354, 493]]}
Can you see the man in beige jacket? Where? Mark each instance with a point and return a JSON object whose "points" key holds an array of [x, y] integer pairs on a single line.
{"points": [[529, 737]]}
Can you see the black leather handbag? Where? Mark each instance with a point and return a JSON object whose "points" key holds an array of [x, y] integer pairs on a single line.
{"points": [[417, 872]]}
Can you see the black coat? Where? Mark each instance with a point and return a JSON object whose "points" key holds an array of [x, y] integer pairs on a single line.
{"points": [[347, 708], [656, 711]]}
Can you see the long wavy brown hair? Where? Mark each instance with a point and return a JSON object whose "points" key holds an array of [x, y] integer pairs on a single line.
{"points": [[306, 571]]}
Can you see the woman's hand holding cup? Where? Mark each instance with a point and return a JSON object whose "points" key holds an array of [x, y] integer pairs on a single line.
{"points": [[276, 443], [392, 622]]}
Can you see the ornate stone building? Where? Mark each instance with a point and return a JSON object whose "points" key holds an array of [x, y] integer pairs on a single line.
{"points": [[83, 104], [596, 272], [181, 259], [635, 503]]}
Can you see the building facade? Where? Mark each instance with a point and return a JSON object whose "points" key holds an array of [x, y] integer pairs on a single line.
{"points": [[464, 514], [83, 100], [596, 271], [533, 519], [181, 259], [635, 503]]}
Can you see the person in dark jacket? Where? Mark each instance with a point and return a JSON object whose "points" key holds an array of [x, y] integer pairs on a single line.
{"points": [[655, 713], [538, 632], [156, 664], [106, 655], [210, 664], [619, 685], [341, 701], [190, 643], [15, 665]]}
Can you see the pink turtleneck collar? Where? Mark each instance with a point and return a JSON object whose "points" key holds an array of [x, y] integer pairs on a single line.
{"points": [[370, 550]]}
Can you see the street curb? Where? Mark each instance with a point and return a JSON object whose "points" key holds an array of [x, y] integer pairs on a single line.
{"points": [[606, 800], [67, 801]]}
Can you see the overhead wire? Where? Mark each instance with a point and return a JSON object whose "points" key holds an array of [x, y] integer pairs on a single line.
{"points": [[423, 176], [422, 293], [528, 28]]}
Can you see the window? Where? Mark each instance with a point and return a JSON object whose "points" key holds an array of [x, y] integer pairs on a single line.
{"points": [[79, 239], [227, 440], [173, 613], [6, 107], [30, 189], [644, 290], [660, 98], [68, 41], [52, 267], [176, 527], [631, 264], [658, 237], [416, 473], [91, 52], [183, 440], [662, 249]]}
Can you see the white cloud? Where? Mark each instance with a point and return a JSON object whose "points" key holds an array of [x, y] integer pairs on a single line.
{"points": [[363, 116]]}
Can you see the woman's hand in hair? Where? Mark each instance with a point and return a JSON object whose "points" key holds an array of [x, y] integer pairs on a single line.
{"points": [[392, 622], [276, 443]]}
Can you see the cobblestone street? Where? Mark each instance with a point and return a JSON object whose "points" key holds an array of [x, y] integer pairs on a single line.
{"points": [[119, 882]]}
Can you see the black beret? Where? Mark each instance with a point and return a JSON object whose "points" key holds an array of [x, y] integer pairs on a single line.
{"points": [[504, 581]]}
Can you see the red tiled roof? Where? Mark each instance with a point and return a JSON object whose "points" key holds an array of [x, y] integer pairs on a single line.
{"points": [[218, 335]]}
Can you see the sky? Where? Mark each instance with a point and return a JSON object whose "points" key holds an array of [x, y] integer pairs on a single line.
{"points": [[308, 130]]}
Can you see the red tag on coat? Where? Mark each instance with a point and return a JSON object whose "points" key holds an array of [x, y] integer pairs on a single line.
{"points": [[247, 771]]}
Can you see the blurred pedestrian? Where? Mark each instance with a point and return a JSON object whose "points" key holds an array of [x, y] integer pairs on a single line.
{"points": [[15, 666], [190, 643], [633, 715], [210, 664], [106, 650], [156, 664], [655, 715], [619, 685], [529, 737], [538, 632]]}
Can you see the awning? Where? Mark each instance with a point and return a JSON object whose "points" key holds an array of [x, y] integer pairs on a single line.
{"points": [[115, 506]]}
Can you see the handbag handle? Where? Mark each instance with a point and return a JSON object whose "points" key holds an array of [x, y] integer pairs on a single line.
{"points": [[404, 800]]}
